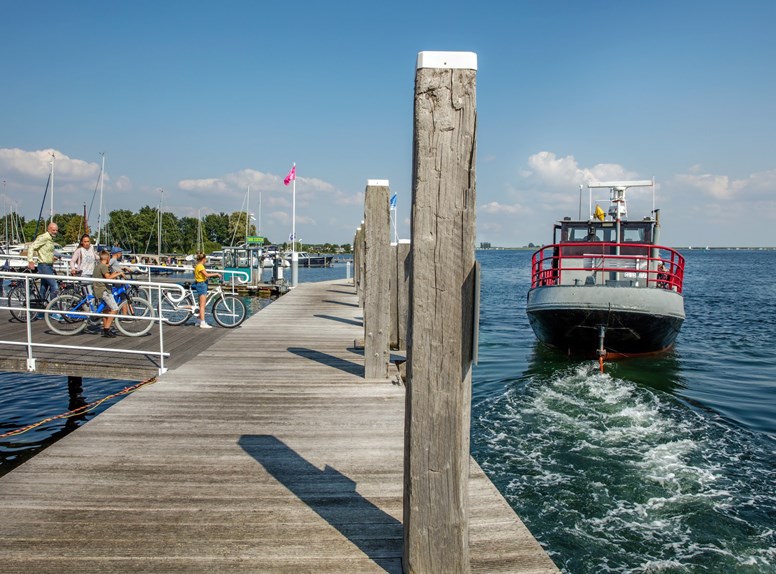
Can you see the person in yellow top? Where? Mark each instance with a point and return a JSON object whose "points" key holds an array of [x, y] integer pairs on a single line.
{"points": [[200, 287], [44, 247]]}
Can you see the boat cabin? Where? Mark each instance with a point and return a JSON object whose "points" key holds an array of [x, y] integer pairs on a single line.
{"points": [[608, 253], [245, 258]]}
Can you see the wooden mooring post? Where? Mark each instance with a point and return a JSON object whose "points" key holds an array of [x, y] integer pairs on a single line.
{"points": [[377, 257], [399, 288], [441, 325]]}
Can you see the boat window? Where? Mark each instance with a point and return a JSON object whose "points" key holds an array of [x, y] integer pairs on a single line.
{"points": [[577, 233], [633, 235]]}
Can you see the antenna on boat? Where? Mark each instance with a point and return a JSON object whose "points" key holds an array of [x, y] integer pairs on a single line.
{"points": [[580, 202], [617, 205]]}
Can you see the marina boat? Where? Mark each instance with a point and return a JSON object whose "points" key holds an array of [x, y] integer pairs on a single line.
{"points": [[605, 286], [304, 259]]}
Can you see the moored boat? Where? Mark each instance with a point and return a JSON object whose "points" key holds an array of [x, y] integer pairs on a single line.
{"points": [[605, 286], [305, 259]]}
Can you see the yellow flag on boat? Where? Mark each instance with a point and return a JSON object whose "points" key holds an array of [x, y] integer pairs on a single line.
{"points": [[600, 213]]}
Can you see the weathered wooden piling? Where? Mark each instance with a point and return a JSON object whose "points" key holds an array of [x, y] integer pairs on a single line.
{"points": [[358, 258], [377, 256], [440, 338], [399, 288]]}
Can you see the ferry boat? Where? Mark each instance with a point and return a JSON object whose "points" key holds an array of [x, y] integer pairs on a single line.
{"points": [[605, 287]]}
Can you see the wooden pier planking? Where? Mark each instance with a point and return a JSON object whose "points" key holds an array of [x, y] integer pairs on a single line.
{"points": [[266, 452], [182, 342]]}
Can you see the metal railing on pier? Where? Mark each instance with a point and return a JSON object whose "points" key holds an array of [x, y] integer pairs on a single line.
{"points": [[171, 289]]}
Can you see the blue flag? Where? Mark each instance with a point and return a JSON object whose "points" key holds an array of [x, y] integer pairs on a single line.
{"points": [[393, 201]]}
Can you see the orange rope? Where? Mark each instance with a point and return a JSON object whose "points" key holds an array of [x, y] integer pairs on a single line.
{"points": [[79, 410]]}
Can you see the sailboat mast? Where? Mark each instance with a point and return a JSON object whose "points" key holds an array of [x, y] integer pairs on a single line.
{"points": [[51, 211], [159, 243], [99, 215], [247, 212]]}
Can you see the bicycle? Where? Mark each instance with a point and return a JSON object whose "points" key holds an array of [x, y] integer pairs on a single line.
{"points": [[228, 310], [72, 311], [17, 296]]}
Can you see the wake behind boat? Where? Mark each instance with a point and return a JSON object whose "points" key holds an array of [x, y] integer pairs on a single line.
{"points": [[605, 287]]}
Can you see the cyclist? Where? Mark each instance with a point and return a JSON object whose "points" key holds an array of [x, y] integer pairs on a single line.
{"points": [[102, 291]]}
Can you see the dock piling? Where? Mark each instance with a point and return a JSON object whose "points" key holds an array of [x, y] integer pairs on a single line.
{"points": [[441, 324], [377, 254]]}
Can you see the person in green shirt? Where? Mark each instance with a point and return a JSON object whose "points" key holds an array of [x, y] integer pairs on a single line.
{"points": [[44, 247]]}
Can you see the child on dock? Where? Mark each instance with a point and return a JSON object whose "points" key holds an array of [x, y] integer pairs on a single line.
{"points": [[200, 287], [102, 291]]}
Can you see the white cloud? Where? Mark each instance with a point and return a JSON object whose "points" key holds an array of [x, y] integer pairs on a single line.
{"points": [[37, 164], [565, 172], [123, 183], [494, 207], [207, 185], [717, 186]]}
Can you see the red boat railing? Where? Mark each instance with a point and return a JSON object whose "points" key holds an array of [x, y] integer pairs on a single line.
{"points": [[598, 263]]}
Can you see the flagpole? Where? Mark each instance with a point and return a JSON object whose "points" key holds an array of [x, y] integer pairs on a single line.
{"points": [[294, 254]]}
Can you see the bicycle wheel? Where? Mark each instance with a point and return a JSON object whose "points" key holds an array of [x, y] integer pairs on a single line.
{"points": [[228, 311], [72, 319], [70, 288], [17, 299], [131, 327], [173, 314]]}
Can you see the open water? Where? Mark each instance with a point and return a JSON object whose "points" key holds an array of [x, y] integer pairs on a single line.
{"points": [[664, 465]]}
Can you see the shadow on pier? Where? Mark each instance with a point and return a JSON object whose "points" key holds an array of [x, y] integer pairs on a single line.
{"points": [[332, 496], [355, 322], [328, 360]]}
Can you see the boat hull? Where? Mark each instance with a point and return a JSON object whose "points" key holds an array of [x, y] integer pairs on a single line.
{"points": [[636, 320]]}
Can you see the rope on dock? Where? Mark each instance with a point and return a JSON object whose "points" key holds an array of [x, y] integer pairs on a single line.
{"points": [[80, 410]]}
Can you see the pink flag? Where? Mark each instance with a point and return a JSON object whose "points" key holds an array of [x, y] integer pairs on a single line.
{"points": [[291, 176]]}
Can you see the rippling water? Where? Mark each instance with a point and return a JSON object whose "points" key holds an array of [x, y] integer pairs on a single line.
{"points": [[27, 399], [659, 465]]}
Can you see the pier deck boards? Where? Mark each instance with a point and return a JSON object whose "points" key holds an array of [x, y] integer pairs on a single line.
{"points": [[182, 342], [267, 452]]}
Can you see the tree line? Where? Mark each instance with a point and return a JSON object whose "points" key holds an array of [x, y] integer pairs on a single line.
{"points": [[139, 231]]}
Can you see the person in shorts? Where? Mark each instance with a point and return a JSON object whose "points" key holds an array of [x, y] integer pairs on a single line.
{"points": [[102, 291], [200, 287]]}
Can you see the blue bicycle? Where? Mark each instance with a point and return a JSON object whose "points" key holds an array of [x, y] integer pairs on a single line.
{"points": [[72, 319]]}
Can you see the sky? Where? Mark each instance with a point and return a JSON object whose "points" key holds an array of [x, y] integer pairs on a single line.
{"points": [[204, 100]]}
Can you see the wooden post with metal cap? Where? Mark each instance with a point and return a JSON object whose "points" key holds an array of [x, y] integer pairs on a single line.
{"points": [[377, 256], [442, 322]]}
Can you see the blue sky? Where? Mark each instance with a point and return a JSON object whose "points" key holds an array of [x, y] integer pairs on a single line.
{"points": [[202, 99]]}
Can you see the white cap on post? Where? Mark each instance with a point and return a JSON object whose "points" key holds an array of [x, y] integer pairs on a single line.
{"points": [[450, 60], [377, 183]]}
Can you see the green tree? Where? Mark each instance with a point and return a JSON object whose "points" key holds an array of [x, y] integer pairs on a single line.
{"points": [[237, 227], [72, 230], [216, 228], [188, 234], [147, 229], [121, 229]]}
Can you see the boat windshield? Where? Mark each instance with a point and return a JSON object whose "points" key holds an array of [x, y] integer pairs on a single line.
{"points": [[606, 232]]}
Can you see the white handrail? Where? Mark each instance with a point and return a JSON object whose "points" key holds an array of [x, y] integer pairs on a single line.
{"points": [[27, 277]]}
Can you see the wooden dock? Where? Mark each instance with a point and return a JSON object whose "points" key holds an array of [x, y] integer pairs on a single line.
{"points": [[266, 452], [183, 342]]}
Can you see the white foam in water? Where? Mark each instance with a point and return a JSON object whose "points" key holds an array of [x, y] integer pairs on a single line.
{"points": [[615, 477]]}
